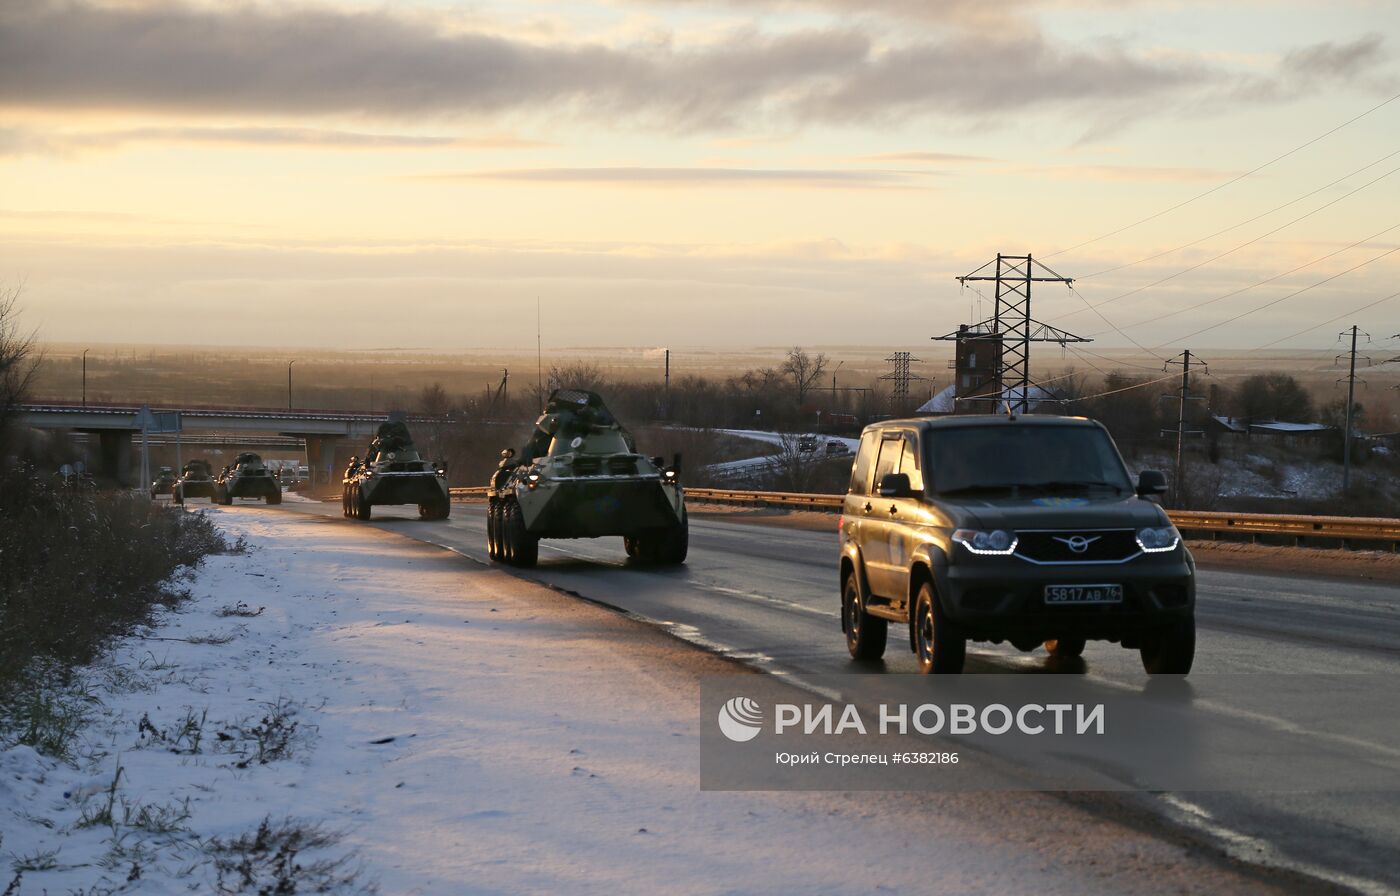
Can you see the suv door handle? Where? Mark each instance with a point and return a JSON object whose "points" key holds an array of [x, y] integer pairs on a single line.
{"points": [[894, 509], [868, 508]]}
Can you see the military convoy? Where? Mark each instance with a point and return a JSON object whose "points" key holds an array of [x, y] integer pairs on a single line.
{"points": [[580, 476], [393, 472], [196, 481], [247, 477]]}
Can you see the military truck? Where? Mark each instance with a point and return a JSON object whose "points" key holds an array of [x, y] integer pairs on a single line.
{"points": [[196, 481], [580, 476], [393, 472], [164, 483], [247, 477]]}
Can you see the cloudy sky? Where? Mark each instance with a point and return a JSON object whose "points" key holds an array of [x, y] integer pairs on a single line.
{"points": [[696, 172]]}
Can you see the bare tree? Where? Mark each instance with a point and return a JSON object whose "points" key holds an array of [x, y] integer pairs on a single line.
{"points": [[434, 400], [18, 361], [804, 370], [579, 375]]}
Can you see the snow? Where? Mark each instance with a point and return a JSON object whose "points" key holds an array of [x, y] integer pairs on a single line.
{"points": [[751, 465], [466, 731]]}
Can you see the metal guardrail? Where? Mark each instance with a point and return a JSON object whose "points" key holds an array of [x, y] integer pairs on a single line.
{"points": [[1300, 529], [1334, 528]]}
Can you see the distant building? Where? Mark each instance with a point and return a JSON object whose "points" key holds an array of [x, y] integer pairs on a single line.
{"points": [[977, 363], [946, 401], [1244, 426]]}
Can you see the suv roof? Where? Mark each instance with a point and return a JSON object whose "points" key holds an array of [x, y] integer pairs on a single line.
{"points": [[963, 420]]}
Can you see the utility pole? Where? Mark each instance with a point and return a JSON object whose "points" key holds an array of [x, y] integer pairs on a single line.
{"points": [[289, 384], [666, 410], [1183, 396], [85, 351], [1351, 403], [833, 383]]}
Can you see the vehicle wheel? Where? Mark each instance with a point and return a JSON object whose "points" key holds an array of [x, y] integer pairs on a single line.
{"points": [[663, 547], [938, 646], [274, 498], [632, 546], [362, 506], [436, 510], [522, 548], [493, 531], [177, 497], [345, 501], [1066, 647], [865, 634], [1170, 650]]}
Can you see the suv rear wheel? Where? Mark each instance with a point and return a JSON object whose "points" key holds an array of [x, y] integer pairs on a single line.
{"points": [[1170, 650], [865, 634], [938, 645]]}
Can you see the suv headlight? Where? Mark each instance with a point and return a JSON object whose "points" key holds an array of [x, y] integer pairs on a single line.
{"points": [[978, 541], [1158, 540]]}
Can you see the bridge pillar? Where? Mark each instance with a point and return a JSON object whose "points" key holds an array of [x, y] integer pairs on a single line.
{"points": [[114, 456], [321, 458]]}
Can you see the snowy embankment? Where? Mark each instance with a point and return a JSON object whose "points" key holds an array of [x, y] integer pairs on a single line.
{"points": [[750, 466], [339, 694]]}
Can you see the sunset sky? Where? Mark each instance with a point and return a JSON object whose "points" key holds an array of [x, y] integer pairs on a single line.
{"points": [[693, 172]]}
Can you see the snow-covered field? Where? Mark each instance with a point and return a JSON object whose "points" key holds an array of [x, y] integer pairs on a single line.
{"points": [[446, 728]]}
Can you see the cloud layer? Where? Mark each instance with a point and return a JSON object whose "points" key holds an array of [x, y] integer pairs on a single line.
{"points": [[297, 60]]}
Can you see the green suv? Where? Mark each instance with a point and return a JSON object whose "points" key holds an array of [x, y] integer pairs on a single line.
{"points": [[1025, 529]]}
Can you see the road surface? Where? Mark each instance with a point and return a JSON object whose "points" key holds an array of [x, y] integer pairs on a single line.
{"points": [[768, 595]]}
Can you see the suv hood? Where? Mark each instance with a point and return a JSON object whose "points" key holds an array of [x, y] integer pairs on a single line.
{"points": [[1057, 512]]}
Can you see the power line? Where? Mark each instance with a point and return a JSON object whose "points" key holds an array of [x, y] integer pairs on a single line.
{"points": [[1242, 223], [1330, 320], [1231, 181], [1113, 325], [1237, 248], [1145, 383], [1264, 282], [1285, 298]]}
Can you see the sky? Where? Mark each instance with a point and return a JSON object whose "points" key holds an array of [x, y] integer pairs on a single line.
{"points": [[362, 174]]}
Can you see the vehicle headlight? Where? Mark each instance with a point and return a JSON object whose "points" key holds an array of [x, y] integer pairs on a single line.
{"points": [[670, 474], [1158, 540], [978, 541], [532, 480]]}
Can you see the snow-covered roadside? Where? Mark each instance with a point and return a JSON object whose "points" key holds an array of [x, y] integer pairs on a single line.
{"points": [[467, 732]]}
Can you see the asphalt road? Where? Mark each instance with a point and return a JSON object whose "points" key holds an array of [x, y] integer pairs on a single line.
{"points": [[768, 595]]}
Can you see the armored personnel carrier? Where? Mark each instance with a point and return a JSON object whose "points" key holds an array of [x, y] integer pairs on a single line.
{"points": [[393, 472], [164, 483], [580, 476], [247, 477], [196, 481]]}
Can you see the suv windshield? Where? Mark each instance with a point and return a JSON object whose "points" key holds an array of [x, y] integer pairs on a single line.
{"points": [[978, 459]]}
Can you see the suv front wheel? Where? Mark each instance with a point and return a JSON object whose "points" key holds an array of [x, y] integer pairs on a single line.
{"points": [[938, 646], [1170, 650], [865, 634]]}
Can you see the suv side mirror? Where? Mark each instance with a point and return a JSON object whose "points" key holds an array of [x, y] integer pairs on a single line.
{"points": [[895, 485], [1151, 482]]}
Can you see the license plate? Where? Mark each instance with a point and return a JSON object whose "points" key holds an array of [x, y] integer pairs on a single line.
{"points": [[1083, 594]]}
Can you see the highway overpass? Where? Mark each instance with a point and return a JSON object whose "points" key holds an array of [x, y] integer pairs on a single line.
{"points": [[321, 431]]}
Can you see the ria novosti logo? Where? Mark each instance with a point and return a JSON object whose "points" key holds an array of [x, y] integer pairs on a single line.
{"points": [[740, 719]]}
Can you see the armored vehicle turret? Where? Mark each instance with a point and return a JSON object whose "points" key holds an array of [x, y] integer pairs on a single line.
{"points": [[580, 476], [393, 472], [196, 481], [247, 477]]}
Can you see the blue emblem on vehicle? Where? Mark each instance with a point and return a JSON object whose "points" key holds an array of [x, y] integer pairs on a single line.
{"points": [[1060, 502]]}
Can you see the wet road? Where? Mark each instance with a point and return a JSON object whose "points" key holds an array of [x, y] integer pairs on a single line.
{"points": [[768, 595]]}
